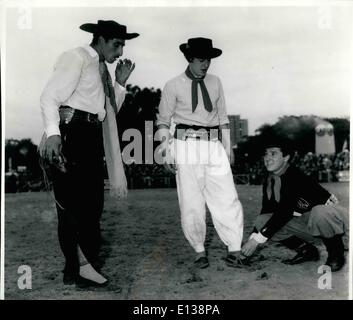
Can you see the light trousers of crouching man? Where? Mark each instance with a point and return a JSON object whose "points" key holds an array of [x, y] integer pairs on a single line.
{"points": [[204, 177], [322, 221]]}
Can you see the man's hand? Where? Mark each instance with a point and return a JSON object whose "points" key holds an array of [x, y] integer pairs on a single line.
{"points": [[230, 155], [123, 70], [249, 248], [52, 149], [225, 132], [166, 159]]}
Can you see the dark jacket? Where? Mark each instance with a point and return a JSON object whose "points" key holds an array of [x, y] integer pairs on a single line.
{"points": [[298, 193]]}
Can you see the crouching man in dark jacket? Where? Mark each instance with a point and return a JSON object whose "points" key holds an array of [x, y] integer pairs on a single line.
{"points": [[296, 209]]}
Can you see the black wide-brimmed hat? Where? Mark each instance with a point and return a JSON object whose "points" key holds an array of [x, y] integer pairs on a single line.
{"points": [[275, 140], [200, 48], [108, 28]]}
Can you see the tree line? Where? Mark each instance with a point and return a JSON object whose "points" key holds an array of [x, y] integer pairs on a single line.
{"points": [[141, 105]]}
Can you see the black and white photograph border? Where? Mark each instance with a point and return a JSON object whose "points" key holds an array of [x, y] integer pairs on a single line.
{"points": [[280, 59]]}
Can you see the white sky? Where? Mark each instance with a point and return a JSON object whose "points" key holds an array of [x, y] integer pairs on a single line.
{"points": [[277, 60]]}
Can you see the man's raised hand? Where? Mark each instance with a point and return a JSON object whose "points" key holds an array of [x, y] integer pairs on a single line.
{"points": [[123, 71]]}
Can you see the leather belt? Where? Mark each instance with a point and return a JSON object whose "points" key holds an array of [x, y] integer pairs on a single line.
{"points": [[68, 114]]}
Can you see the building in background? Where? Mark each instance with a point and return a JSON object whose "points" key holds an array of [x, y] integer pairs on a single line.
{"points": [[238, 129]]}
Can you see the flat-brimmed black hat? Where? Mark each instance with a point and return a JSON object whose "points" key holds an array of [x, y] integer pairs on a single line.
{"points": [[200, 48], [108, 28]]}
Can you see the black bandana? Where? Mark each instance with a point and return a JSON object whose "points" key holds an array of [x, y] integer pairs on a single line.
{"points": [[194, 96]]}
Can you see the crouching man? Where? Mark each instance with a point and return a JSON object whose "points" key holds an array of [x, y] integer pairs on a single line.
{"points": [[296, 209]]}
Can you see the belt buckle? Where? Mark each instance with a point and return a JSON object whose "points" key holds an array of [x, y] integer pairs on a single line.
{"points": [[196, 134], [91, 117], [189, 133], [66, 115]]}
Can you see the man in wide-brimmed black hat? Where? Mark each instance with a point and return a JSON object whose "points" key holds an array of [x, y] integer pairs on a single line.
{"points": [[79, 105], [195, 100]]}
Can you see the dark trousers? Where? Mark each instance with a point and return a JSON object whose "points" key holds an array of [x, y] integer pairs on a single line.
{"points": [[79, 192]]}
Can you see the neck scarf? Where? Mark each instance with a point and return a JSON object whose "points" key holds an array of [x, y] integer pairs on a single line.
{"points": [[115, 168], [194, 95], [107, 84], [274, 184]]}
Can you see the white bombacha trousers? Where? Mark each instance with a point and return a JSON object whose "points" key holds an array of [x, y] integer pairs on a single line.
{"points": [[204, 177]]}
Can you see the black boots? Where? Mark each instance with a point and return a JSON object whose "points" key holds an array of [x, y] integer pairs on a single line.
{"points": [[335, 250], [305, 251], [308, 252], [293, 242]]}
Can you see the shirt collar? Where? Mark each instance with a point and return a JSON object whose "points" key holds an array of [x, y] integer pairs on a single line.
{"points": [[183, 75], [194, 74], [93, 53]]}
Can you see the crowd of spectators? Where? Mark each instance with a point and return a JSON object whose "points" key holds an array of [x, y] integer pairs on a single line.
{"points": [[148, 176], [322, 168]]}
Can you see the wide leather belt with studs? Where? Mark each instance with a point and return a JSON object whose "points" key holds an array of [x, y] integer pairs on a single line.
{"points": [[184, 132]]}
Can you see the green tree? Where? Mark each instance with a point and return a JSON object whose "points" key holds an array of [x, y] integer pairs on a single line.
{"points": [[22, 153], [341, 131], [140, 105], [299, 129]]}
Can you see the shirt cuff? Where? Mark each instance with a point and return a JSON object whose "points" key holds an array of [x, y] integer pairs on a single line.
{"points": [[101, 115], [163, 122], [120, 86], [52, 130], [332, 200], [222, 122], [258, 237]]}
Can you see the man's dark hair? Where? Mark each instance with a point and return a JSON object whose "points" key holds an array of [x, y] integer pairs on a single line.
{"points": [[188, 57], [286, 145], [97, 35]]}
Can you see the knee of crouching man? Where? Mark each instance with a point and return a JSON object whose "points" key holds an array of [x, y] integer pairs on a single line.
{"points": [[319, 212]]}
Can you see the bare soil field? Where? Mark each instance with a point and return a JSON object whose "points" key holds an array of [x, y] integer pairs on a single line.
{"points": [[147, 257]]}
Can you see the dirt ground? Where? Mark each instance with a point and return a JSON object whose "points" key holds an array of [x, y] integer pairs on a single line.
{"points": [[147, 257]]}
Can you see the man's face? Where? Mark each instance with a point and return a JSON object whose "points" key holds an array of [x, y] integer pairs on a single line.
{"points": [[112, 49], [199, 66], [274, 159]]}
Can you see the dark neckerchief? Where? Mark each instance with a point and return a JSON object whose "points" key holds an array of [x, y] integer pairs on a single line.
{"points": [[276, 178], [194, 97], [107, 84]]}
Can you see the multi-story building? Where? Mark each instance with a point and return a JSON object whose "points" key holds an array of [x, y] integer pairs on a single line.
{"points": [[238, 129]]}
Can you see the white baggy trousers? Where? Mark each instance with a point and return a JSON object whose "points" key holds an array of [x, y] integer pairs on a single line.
{"points": [[204, 177]]}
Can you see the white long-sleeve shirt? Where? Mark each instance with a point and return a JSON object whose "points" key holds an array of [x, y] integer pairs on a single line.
{"points": [[75, 82], [176, 103]]}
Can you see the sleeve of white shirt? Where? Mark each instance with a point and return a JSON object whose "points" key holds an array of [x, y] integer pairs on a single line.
{"points": [[167, 105], [59, 88], [221, 105], [120, 93]]}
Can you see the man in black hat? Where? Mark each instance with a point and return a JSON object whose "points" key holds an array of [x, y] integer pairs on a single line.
{"points": [[195, 100], [77, 99], [295, 209]]}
